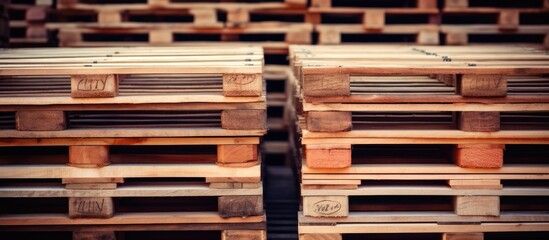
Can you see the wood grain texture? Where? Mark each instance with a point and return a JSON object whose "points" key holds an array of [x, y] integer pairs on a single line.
{"points": [[91, 207], [333, 236], [40, 120], [374, 19], [329, 121], [81, 235], [463, 236], [328, 155], [242, 85], [244, 119], [479, 155], [242, 153], [326, 206], [482, 85], [243, 235], [479, 121], [326, 85], [240, 206], [476, 205], [89, 156]]}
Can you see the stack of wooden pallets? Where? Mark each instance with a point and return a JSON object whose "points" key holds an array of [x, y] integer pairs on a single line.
{"points": [[375, 21], [273, 24], [27, 25], [477, 21], [427, 141], [102, 142]]}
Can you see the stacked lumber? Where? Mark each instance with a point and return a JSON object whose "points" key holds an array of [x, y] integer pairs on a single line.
{"points": [[422, 140], [467, 21], [102, 140], [375, 21], [27, 25], [273, 24]]}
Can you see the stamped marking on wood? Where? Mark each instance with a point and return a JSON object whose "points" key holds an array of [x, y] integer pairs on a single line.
{"points": [[483, 85], [326, 207], [242, 84], [94, 85], [91, 207]]}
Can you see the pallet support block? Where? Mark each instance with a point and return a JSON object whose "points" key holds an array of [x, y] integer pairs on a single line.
{"points": [[237, 155], [448, 79], [463, 236], [91, 183], [109, 17], [427, 4], [30, 120], [329, 121], [91, 207], [476, 205], [479, 155], [321, 3], [242, 85], [238, 17], [36, 30], [456, 3], [326, 206], [298, 35], [509, 20], [326, 85], [94, 85], [240, 206], [329, 37], [243, 235], [374, 19], [482, 85], [36, 14], [479, 121], [68, 38], [244, 119], [328, 155], [204, 17], [327, 236], [313, 18], [457, 38], [81, 235], [428, 38], [160, 37], [89, 156]]}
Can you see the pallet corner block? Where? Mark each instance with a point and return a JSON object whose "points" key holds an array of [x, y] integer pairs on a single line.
{"points": [[237, 154], [477, 205], [482, 85], [328, 156], [326, 85], [89, 156], [91, 207], [479, 155], [240, 206], [242, 85], [326, 206], [40, 120], [94, 85], [479, 121], [244, 119]]}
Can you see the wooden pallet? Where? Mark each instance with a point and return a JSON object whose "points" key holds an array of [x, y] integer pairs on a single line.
{"points": [[286, 33], [334, 34], [200, 14], [28, 23]]}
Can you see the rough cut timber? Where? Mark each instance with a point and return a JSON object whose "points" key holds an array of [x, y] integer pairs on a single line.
{"points": [[329, 121], [479, 155], [328, 155], [463, 236], [243, 235], [244, 119], [91, 207], [89, 156], [240, 206], [479, 121], [236, 155], [40, 120], [477, 205], [96, 235]]}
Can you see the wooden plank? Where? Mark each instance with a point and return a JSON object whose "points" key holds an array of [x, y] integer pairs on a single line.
{"points": [[475, 184], [244, 119], [463, 236], [233, 185], [326, 85], [237, 154], [175, 132], [98, 141], [40, 120], [426, 191], [482, 85], [82, 235], [91, 207], [242, 85], [374, 19], [476, 205], [329, 121], [333, 236], [479, 155], [125, 219], [328, 155], [479, 121], [94, 86], [508, 20], [243, 235], [240, 206], [431, 169], [126, 171], [326, 206], [89, 156]]}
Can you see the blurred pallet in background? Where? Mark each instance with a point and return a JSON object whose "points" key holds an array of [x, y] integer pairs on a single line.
{"points": [[403, 139], [28, 23], [116, 139]]}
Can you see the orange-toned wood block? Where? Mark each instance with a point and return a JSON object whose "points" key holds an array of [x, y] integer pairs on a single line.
{"points": [[325, 236], [244, 235], [374, 19], [328, 155], [426, 4], [321, 3], [233, 154], [89, 156], [509, 20], [463, 236], [456, 3], [479, 155], [457, 38], [428, 37]]}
